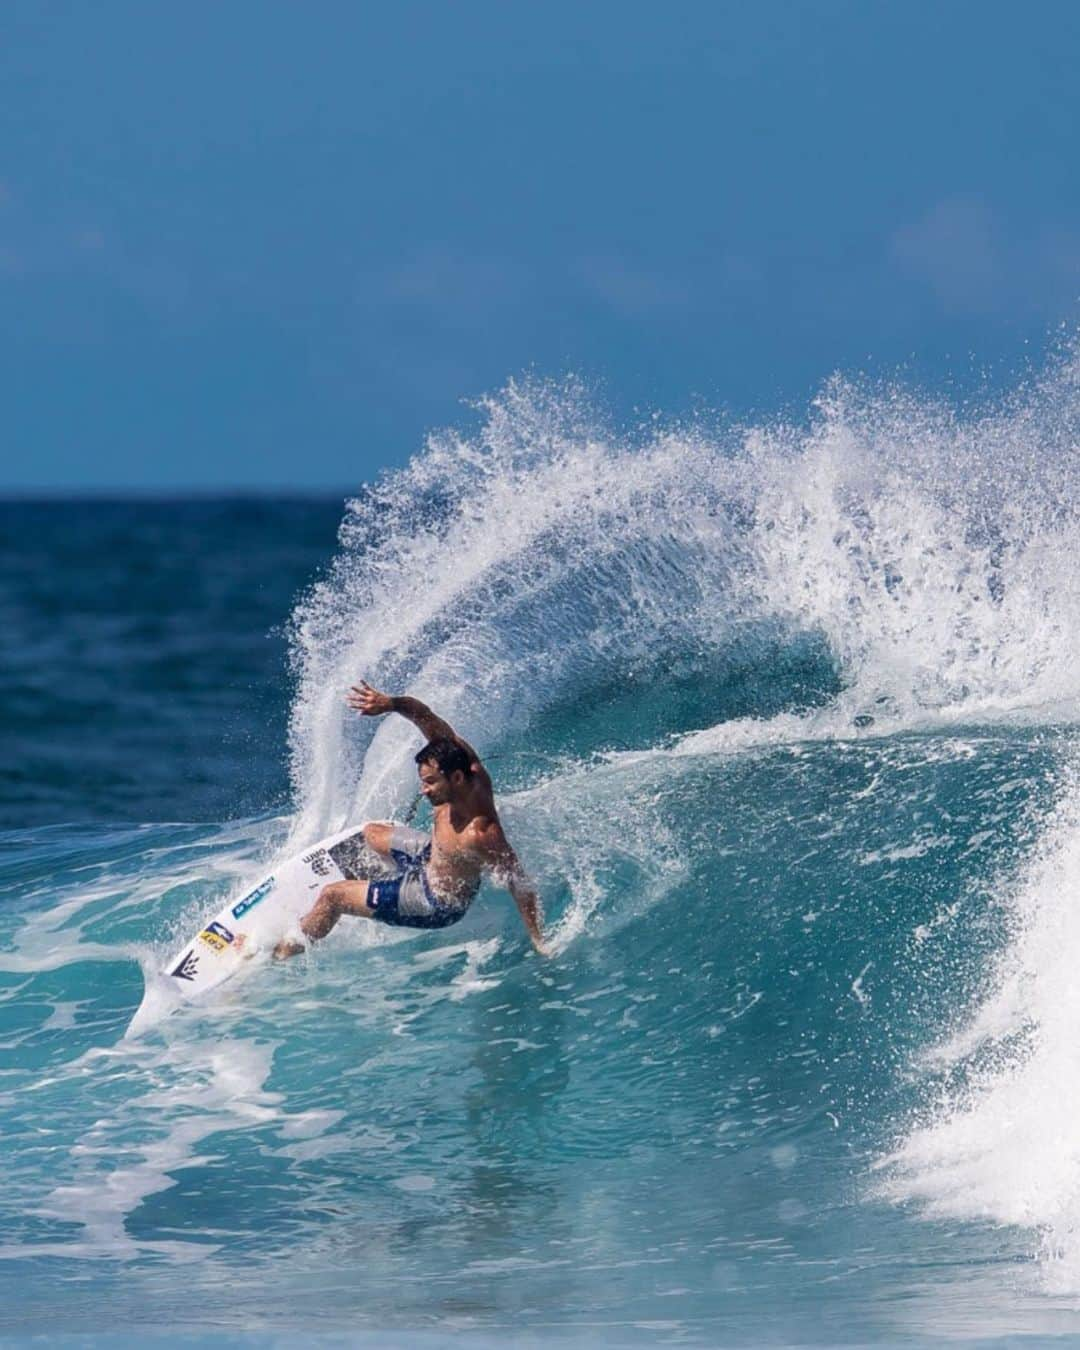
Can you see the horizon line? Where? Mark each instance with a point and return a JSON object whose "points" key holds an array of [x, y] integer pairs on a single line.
{"points": [[15, 495]]}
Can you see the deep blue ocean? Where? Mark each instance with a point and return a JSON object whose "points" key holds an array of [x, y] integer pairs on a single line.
{"points": [[785, 722]]}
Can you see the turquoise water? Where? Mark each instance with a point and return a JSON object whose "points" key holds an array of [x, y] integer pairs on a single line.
{"points": [[783, 721]]}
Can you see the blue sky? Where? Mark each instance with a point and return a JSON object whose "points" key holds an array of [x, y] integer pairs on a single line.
{"points": [[271, 244]]}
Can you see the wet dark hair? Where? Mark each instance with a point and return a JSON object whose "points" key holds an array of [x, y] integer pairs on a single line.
{"points": [[447, 754]]}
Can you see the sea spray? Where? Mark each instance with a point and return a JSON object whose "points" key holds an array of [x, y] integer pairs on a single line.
{"points": [[497, 575]]}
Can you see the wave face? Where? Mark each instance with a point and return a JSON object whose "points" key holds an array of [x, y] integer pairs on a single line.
{"points": [[783, 721]]}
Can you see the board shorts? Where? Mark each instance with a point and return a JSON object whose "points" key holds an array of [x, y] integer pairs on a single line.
{"points": [[406, 899]]}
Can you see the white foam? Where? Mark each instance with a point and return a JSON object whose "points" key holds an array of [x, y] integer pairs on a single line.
{"points": [[1003, 1146], [195, 1089]]}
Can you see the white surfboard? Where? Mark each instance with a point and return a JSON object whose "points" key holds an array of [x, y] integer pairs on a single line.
{"points": [[256, 920]]}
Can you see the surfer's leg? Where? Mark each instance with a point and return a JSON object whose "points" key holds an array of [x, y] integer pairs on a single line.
{"points": [[340, 897]]}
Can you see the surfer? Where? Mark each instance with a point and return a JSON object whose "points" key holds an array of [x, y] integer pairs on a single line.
{"points": [[430, 883]]}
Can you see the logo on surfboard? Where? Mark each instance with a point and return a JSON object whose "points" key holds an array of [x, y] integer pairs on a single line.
{"points": [[216, 935], [188, 965], [250, 901], [319, 861]]}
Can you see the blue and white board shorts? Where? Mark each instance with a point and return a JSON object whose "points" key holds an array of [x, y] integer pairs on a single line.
{"points": [[407, 899]]}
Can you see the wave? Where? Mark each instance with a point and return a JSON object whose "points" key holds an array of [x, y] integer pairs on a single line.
{"points": [[893, 568]]}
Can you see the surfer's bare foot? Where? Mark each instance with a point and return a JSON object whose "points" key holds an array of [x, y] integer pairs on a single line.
{"points": [[285, 949]]}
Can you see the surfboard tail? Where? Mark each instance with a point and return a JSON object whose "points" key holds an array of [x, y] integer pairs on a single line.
{"points": [[158, 1001]]}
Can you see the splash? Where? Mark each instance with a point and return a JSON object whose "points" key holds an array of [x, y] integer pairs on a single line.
{"points": [[547, 557]]}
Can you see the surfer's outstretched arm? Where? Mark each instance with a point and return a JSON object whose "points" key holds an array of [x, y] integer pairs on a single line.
{"points": [[509, 872], [369, 702]]}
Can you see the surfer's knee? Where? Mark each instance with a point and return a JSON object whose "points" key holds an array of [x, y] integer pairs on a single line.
{"points": [[377, 835]]}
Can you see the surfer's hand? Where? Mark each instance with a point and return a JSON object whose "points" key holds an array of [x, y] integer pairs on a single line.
{"points": [[368, 702]]}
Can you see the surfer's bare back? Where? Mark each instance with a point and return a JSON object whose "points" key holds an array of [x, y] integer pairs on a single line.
{"points": [[430, 883]]}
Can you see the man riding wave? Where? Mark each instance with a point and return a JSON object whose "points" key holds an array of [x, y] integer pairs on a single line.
{"points": [[429, 882]]}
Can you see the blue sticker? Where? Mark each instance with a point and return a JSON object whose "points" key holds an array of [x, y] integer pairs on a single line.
{"points": [[250, 901]]}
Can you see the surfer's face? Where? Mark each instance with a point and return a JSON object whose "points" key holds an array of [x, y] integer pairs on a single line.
{"points": [[434, 784]]}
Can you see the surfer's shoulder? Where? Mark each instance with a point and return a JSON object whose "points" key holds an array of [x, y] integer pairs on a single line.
{"points": [[486, 834]]}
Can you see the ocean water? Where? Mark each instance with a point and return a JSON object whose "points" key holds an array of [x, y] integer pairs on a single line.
{"points": [[783, 720]]}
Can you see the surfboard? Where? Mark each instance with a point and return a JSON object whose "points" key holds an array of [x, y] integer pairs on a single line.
{"points": [[254, 921]]}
